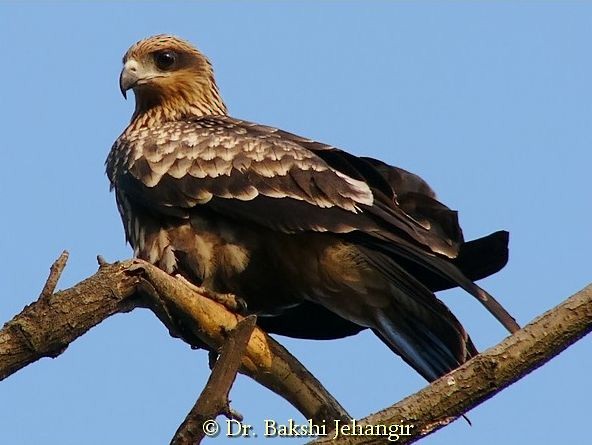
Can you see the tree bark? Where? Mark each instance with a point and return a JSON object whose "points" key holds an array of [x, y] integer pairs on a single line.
{"points": [[213, 400], [46, 328], [482, 377]]}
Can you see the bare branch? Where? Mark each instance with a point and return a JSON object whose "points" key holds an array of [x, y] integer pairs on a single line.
{"points": [[484, 376], [213, 400], [46, 327], [55, 271], [199, 320]]}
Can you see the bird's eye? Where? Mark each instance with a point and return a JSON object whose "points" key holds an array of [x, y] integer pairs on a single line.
{"points": [[165, 59]]}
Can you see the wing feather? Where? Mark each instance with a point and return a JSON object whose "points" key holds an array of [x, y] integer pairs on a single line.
{"points": [[231, 159], [261, 175]]}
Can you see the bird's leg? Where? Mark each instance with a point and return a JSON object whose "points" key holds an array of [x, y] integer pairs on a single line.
{"points": [[229, 301]]}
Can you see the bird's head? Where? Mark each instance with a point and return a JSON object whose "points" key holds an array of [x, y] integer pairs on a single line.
{"points": [[170, 78]]}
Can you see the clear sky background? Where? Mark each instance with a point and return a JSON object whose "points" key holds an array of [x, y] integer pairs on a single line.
{"points": [[490, 102]]}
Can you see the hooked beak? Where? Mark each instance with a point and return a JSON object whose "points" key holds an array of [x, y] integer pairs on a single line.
{"points": [[129, 76]]}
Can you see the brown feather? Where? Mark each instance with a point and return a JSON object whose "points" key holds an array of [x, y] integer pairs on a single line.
{"points": [[285, 222]]}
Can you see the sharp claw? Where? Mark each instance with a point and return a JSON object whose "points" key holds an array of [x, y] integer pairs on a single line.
{"points": [[229, 301]]}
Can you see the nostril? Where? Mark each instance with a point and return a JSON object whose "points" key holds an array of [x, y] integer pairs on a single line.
{"points": [[131, 66]]}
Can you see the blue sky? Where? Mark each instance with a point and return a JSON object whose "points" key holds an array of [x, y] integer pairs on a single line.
{"points": [[490, 102]]}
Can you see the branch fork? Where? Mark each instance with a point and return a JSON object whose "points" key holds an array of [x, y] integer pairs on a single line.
{"points": [[46, 327]]}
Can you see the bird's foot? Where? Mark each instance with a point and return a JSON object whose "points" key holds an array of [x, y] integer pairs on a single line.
{"points": [[229, 301]]}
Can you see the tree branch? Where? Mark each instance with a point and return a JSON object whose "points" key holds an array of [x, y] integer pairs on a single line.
{"points": [[55, 271], [482, 377], [46, 327], [213, 401], [198, 319]]}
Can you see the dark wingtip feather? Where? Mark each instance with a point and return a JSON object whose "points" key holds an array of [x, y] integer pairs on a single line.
{"points": [[484, 256], [496, 309]]}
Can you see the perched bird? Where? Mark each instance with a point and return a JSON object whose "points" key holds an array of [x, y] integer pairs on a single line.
{"points": [[316, 241]]}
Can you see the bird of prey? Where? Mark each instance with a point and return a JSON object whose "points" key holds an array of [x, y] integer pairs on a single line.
{"points": [[316, 241]]}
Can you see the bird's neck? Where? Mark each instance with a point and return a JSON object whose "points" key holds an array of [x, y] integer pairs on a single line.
{"points": [[156, 109]]}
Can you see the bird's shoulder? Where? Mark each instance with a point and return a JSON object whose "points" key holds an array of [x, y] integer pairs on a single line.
{"points": [[220, 156], [245, 170]]}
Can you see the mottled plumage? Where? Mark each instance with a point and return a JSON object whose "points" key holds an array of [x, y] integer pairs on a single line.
{"points": [[318, 242]]}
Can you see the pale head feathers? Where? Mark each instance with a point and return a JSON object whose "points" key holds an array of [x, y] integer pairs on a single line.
{"points": [[171, 80]]}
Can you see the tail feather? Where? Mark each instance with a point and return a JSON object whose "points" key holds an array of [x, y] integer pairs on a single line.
{"points": [[449, 271], [482, 257], [422, 348], [415, 324], [484, 297]]}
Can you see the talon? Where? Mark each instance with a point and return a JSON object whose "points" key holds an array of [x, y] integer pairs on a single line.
{"points": [[241, 306], [136, 266], [229, 301]]}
